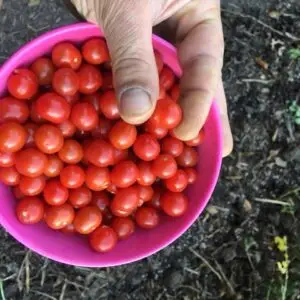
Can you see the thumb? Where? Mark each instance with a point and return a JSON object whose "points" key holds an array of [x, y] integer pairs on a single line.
{"points": [[127, 27]]}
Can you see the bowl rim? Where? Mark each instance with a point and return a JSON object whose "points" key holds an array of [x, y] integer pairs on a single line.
{"points": [[65, 259]]}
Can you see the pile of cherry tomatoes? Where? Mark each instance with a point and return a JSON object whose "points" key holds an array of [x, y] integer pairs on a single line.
{"points": [[74, 164]]}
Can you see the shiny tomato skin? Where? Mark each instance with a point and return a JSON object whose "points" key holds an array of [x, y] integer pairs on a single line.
{"points": [[48, 139], [112, 188], [97, 178], [9, 176], [191, 175], [145, 193], [53, 108], [147, 217], [166, 78], [103, 128], [94, 100], [156, 131], [30, 210], [123, 135], [87, 219], [65, 82], [109, 105], [58, 217], [71, 152], [32, 186], [95, 51], [172, 146], [103, 239], [12, 137], [44, 70], [90, 79], [55, 193], [31, 129], [124, 174], [67, 128], [146, 147], [164, 166], [146, 176], [12, 109], [120, 155], [84, 116], [69, 229], [34, 116], [178, 182], [101, 200], [72, 176], [66, 55], [73, 99], [31, 162], [80, 197], [174, 204], [22, 84], [7, 159], [188, 158], [53, 166], [198, 140], [124, 227]]}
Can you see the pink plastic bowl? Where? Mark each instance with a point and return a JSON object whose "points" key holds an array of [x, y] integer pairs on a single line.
{"points": [[74, 250]]}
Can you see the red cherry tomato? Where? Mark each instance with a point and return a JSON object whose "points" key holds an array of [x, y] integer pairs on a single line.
{"points": [[67, 129], [84, 116], [146, 176], [48, 139], [103, 128], [34, 116], [155, 201], [71, 152], [30, 210], [103, 239], [65, 82], [125, 202], [58, 217], [44, 70], [17, 193], [31, 129], [66, 55], [156, 131], [164, 166], [12, 137], [191, 175], [175, 92], [31, 162], [32, 186], [107, 81], [9, 176], [147, 217], [124, 227], [124, 174], [172, 146], [159, 61], [94, 100], [188, 158], [120, 155], [112, 188], [167, 114], [162, 93], [80, 197], [53, 108], [178, 182], [99, 153], [145, 193], [97, 179], [69, 229], [72, 177], [12, 109], [95, 51], [73, 99], [122, 135], [198, 140], [146, 147], [90, 79], [166, 78], [109, 105], [55, 193], [174, 204], [87, 219], [101, 200], [53, 166], [22, 84], [7, 159]]}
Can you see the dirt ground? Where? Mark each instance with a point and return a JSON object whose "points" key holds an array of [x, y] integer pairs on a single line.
{"points": [[229, 253]]}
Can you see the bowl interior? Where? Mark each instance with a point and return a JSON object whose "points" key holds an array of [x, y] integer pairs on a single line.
{"points": [[56, 245]]}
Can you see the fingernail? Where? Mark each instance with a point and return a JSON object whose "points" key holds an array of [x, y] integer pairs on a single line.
{"points": [[135, 101]]}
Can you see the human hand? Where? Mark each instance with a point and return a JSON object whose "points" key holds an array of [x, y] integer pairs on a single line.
{"points": [[197, 27]]}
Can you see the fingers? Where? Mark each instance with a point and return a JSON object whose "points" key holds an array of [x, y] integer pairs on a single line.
{"points": [[200, 48]]}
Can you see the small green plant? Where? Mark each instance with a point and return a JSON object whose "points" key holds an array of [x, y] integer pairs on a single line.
{"points": [[294, 109], [294, 53]]}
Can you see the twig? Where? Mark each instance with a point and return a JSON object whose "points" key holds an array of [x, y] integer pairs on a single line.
{"points": [[43, 294], [206, 263], [27, 272], [293, 191], [2, 291], [228, 283], [191, 271], [254, 80], [63, 290], [272, 201]]}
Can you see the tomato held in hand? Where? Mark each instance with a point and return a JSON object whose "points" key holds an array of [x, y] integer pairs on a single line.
{"points": [[53, 166], [12, 109], [147, 217], [53, 108], [172, 146], [66, 55], [32, 186], [122, 135], [103, 239], [90, 79], [44, 70], [97, 178], [48, 139], [80, 197], [55, 193], [191, 175], [58, 217], [12, 137], [30, 210], [67, 128], [188, 158], [178, 182], [65, 82], [164, 166], [7, 159], [109, 106], [9, 176], [87, 219], [31, 162], [174, 204], [124, 227], [146, 147], [145, 174], [22, 84], [95, 51], [84, 116], [198, 140], [101, 200], [72, 177], [71, 152], [124, 174], [166, 78]]}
